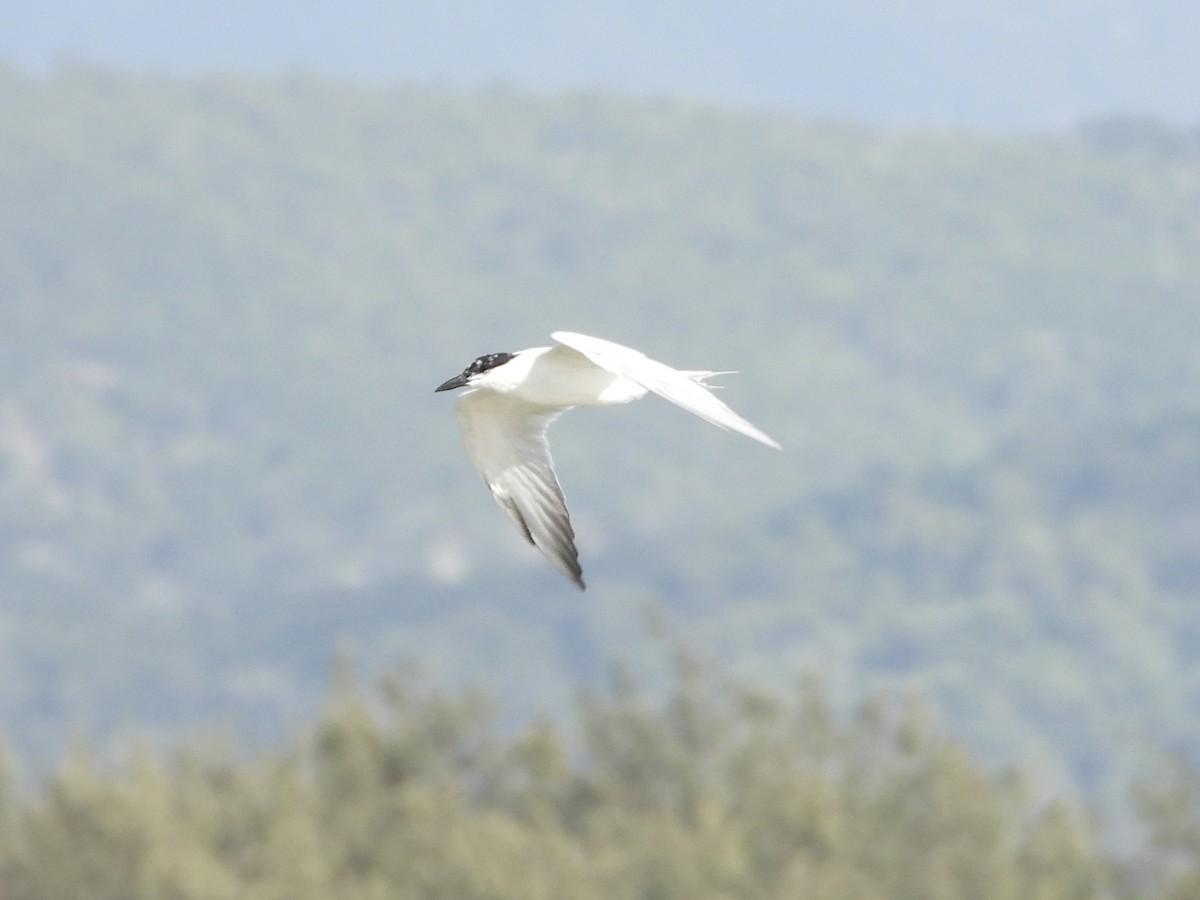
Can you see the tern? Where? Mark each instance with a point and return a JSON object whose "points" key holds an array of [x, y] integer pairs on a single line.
{"points": [[512, 398]]}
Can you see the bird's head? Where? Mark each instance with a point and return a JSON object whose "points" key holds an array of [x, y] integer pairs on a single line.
{"points": [[474, 370]]}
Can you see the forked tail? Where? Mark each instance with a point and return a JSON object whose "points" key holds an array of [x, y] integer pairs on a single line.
{"points": [[700, 376]]}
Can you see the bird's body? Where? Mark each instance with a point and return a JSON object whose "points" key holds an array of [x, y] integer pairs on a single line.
{"points": [[513, 398], [557, 376]]}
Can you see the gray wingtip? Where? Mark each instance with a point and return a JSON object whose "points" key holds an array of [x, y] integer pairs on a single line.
{"points": [[574, 571], [756, 434]]}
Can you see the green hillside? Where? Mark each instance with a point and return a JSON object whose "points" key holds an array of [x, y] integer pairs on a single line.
{"points": [[409, 793], [224, 304]]}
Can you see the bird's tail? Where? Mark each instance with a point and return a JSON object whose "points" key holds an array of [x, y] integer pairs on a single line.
{"points": [[700, 378]]}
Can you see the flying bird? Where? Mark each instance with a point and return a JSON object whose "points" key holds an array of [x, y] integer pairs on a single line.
{"points": [[512, 398]]}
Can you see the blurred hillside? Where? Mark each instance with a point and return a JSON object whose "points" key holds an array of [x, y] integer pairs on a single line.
{"points": [[226, 302], [719, 791]]}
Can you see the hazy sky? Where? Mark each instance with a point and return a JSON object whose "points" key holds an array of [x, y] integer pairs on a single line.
{"points": [[989, 63]]}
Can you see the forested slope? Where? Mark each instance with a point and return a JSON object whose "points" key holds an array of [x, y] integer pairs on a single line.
{"points": [[720, 790], [225, 303]]}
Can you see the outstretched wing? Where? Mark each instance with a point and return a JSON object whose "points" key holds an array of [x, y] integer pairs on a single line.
{"points": [[506, 442], [685, 389]]}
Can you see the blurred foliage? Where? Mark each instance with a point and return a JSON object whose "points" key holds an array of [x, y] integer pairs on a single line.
{"points": [[720, 791], [1170, 803], [225, 301]]}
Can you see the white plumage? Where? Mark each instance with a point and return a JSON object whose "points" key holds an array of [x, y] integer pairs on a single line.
{"points": [[513, 397]]}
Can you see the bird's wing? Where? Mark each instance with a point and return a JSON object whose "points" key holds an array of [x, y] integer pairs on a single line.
{"points": [[506, 442], [685, 389]]}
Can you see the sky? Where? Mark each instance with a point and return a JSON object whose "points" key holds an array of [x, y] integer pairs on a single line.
{"points": [[989, 64]]}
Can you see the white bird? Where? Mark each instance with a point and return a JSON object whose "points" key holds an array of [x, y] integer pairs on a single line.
{"points": [[513, 398]]}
